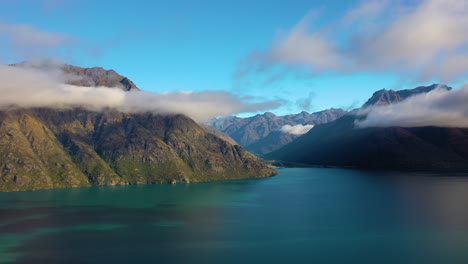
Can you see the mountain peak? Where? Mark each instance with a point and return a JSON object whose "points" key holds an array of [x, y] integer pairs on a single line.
{"points": [[98, 76], [385, 97], [94, 76]]}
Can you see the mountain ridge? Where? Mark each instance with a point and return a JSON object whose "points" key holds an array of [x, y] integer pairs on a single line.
{"points": [[82, 76], [340, 143], [385, 97], [261, 133]]}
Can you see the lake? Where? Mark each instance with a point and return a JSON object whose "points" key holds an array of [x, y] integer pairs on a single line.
{"points": [[303, 215]]}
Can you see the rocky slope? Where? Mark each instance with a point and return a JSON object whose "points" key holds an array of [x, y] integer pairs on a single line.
{"points": [[45, 148], [218, 133], [261, 134], [341, 143]]}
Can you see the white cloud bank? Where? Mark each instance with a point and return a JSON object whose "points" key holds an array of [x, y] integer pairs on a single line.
{"points": [[437, 108], [26, 87], [425, 41], [296, 129]]}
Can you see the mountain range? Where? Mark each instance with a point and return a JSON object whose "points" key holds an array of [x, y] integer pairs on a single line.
{"points": [[341, 143], [42, 148], [261, 134]]}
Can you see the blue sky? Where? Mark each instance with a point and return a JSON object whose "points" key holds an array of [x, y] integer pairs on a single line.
{"points": [[198, 45]]}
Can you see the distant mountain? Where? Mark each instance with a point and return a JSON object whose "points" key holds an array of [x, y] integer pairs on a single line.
{"points": [[275, 140], [44, 148], [245, 131], [261, 133], [385, 97], [316, 118], [341, 143]]}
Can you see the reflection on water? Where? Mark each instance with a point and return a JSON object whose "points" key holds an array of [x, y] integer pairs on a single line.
{"points": [[439, 199], [300, 216]]}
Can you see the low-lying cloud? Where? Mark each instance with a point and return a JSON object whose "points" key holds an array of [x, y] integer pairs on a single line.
{"points": [[296, 129], [422, 42], [28, 87], [439, 107]]}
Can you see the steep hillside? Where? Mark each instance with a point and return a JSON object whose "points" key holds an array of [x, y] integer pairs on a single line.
{"points": [[44, 148], [340, 143], [218, 133]]}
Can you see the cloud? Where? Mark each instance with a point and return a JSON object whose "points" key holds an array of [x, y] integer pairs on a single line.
{"points": [[297, 129], [369, 9], [418, 42], [29, 87], [439, 107], [28, 42], [24, 42]]}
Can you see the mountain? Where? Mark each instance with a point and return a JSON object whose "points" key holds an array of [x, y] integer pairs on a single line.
{"points": [[246, 131], [275, 140], [90, 77], [218, 133], [316, 118], [98, 76], [261, 133], [45, 148], [341, 143], [385, 97]]}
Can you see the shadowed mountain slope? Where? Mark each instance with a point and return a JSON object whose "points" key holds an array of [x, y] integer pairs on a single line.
{"points": [[341, 143]]}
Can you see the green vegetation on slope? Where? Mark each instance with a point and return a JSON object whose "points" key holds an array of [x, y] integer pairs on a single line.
{"points": [[45, 148]]}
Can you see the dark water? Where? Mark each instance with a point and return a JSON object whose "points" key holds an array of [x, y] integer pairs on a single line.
{"points": [[299, 216]]}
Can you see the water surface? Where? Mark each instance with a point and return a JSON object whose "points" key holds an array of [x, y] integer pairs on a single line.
{"points": [[302, 215]]}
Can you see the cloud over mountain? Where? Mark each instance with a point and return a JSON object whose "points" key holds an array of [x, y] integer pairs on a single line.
{"points": [[440, 107], [30, 87], [296, 129]]}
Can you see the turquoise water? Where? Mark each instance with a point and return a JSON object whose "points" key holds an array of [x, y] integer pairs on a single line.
{"points": [[300, 216]]}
